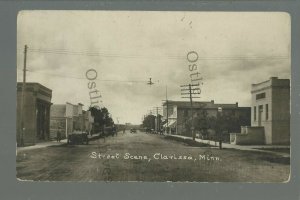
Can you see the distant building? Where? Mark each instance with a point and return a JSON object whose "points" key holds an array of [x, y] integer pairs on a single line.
{"points": [[120, 127], [33, 127], [179, 114], [270, 121], [68, 117]]}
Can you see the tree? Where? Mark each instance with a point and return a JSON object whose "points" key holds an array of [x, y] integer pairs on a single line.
{"points": [[225, 123], [149, 122], [202, 123], [101, 118]]}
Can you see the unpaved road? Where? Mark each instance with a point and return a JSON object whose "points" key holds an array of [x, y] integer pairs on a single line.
{"points": [[109, 160]]}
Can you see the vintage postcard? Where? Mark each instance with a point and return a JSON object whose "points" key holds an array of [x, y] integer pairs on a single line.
{"points": [[153, 96]]}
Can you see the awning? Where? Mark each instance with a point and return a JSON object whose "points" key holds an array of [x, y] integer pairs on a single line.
{"points": [[171, 124], [164, 122]]}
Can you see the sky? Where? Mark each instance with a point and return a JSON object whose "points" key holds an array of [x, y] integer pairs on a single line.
{"points": [[126, 48]]}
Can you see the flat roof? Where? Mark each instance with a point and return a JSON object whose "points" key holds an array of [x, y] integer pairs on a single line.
{"points": [[19, 84]]}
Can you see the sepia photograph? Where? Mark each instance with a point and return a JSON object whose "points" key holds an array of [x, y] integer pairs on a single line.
{"points": [[153, 96]]}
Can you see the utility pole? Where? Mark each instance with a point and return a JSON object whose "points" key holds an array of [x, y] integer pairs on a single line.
{"points": [[23, 97], [167, 110], [190, 91], [157, 120], [151, 113]]}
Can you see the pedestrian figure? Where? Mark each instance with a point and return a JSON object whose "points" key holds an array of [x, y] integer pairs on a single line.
{"points": [[115, 130], [220, 140], [123, 130], [58, 136]]}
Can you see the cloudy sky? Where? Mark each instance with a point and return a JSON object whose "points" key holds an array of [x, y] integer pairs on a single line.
{"points": [[126, 48]]}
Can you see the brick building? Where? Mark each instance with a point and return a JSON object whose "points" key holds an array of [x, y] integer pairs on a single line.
{"points": [[271, 109], [179, 114], [270, 121], [33, 123]]}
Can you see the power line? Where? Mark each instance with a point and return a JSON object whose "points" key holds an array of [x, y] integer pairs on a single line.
{"points": [[140, 56], [112, 55], [84, 78]]}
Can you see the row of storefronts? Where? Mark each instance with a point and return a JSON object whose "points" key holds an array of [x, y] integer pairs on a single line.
{"points": [[40, 120]]}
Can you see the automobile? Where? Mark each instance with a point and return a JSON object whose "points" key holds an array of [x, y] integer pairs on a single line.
{"points": [[109, 131], [78, 137], [133, 130], [148, 130]]}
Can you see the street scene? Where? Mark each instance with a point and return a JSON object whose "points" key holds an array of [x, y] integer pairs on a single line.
{"points": [[84, 162], [153, 96]]}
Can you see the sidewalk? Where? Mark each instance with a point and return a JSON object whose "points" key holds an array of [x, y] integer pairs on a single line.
{"points": [[42, 145], [257, 148], [50, 143]]}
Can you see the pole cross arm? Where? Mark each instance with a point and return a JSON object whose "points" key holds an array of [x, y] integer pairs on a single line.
{"points": [[190, 85], [189, 89], [190, 93]]}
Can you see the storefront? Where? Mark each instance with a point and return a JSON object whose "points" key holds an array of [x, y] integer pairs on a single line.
{"points": [[33, 113]]}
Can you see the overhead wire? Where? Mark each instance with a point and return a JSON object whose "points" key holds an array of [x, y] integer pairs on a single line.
{"points": [[140, 56], [84, 78], [136, 56]]}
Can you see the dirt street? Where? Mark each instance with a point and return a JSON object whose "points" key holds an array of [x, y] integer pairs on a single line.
{"points": [[146, 157]]}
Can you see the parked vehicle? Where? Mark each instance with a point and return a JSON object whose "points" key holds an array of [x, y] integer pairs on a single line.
{"points": [[133, 130], [148, 130], [109, 131], [78, 137]]}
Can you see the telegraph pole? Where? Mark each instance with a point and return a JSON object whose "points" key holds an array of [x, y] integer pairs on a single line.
{"points": [[23, 97], [167, 110], [190, 91], [157, 122]]}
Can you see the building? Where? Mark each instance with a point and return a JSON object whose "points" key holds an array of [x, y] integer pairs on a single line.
{"points": [[179, 114], [68, 117], [88, 121], [33, 118], [270, 121]]}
